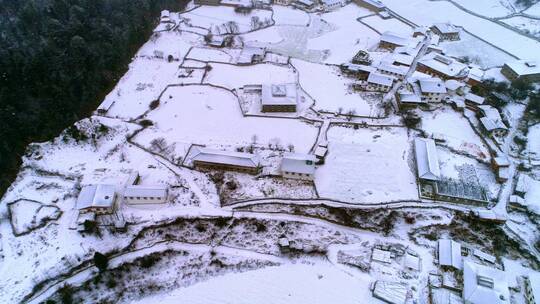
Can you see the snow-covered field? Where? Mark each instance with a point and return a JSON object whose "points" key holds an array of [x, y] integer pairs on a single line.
{"points": [[383, 25], [367, 166]]}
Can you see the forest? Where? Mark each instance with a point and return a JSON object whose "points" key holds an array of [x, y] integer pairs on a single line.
{"points": [[58, 59]]}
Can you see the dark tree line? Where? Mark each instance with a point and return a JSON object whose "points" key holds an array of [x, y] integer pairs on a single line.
{"points": [[58, 59]]}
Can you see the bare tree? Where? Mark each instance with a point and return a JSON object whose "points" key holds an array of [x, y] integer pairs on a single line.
{"points": [[290, 147], [350, 114]]}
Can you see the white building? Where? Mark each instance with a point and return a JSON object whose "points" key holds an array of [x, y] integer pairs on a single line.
{"points": [[492, 121], [391, 40], [99, 199], [379, 82], [427, 161], [298, 166], [138, 194], [397, 71], [279, 98], [165, 16], [432, 89], [333, 4], [527, 70], [441, 66], [449, 253], [213, 159], [446, 31], [484, 285], [250, 55], [473, 100]]}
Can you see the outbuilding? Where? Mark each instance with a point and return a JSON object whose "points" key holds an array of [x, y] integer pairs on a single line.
{"points": [[138, 194], [99, 199], [298, 166]]}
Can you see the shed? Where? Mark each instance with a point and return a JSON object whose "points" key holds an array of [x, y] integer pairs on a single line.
{"points": [[98, 198], [427, 161], [298, 166], [138, 194], [450, 254]]}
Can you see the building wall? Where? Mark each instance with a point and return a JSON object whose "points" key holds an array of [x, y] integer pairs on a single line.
{"points": [[212, 166], [97, 210], [387, 45], [367, 5], [427, 70], [145, 200], [432, 97], [278, 108], [377, 87], [301, 176], [398, 76]]}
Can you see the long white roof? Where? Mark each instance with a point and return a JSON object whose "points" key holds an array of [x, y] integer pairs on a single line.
{"points": [[146, 191], [427, 160], [446, 28], [524, 67], [432, 85], [484, 285], [298, 163], [226, 157], [279, 94], [399, 39], [381, 79], [445, 65], [450, 253]]}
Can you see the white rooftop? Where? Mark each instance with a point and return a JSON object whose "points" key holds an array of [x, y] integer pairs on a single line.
{"points": [[279, 94], [524, 67], [298, 163], [390, 68], [390, 292], [381, 79], [446, 28], [432, 85], [146, 191], [450, 253], [474, 98], [399, 39], [445, 65], [226, 157], [484, 285], [100, 196], [427, 160]]}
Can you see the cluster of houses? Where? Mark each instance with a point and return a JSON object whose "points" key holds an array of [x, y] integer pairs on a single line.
{"points": [[482, 281], [104, 199], [293, 165]]}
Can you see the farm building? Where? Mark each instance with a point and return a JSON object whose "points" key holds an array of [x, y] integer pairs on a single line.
{"points": [[473, 100], [457, 191], [449, 253], [279, 98], [396, 71], [441, 66], [432, 89], [165, 16], [298, 166], [105, 106], [408, 99], [137, 194], [484, 285], [213, 159], [527, 70], [427, 161], [446, 31], [333, 4], [390, 292], [362, 57], [492, 122], [359, 70], [99, 199], [305, 4], [250, 55], [283, 2], [373, 5], [379, 83], [391, 40]]}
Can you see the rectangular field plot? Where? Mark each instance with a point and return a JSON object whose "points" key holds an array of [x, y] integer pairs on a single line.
{"points": [[367, 166]]}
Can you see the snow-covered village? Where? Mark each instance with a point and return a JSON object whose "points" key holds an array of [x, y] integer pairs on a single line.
{"points": [[295, 151]]}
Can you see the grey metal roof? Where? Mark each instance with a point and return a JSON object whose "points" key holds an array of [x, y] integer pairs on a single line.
{"points": [[226, 157]]}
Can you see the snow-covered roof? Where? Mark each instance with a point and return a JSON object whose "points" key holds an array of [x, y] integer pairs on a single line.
{"points": [[484, 285], [446, 28], [453, 84], [375, 3], [380, 79], [445, 296], [244, 3], [226, 157], [358, 67], [491, 125], [484, 256], [279, 94], [247, 53], [399, 39], [146, 191], [490, 112], [406, 50], [98, 196], [450, 253], [501, 161], [333, 2], [524, 67], [412, 262], [390, 292], [445, 65], [523, 183], [401, 58], [432, 85], [409, 97], [474, 98], [165, 14], [306, 2], [427, 160], [321, 151], [390, 68], [298, 163], [380, 255]]}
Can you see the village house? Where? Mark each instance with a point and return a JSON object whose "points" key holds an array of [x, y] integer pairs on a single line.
{"points": [[105, 106], [484, 285], [97, 199], [473, 100], [379, 83], [321, 151], [237, 3], [532, 288], [407, 99], [216, 41], [304, 4], [165, 16], [207, 2], [373, 5], [427, 160], [333, 4], [390, 40], [441, 66], [298, 166], [282, 2], [446, 31], [138, 194], [213, 159], [359, 70], [491, 121], [432, 89], [396, 71], [362, 57], [501, 165], [526, 70], [454, 87], [433, 48], [279, 98], [420, 31], [449, 254]]}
